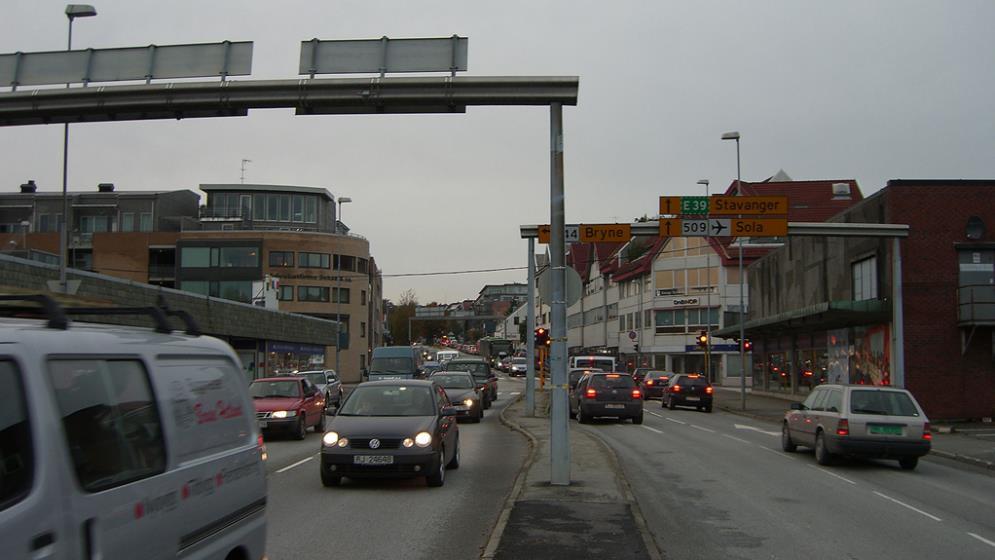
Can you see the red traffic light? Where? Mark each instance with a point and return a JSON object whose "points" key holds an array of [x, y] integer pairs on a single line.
{"points": [[747, 345]]}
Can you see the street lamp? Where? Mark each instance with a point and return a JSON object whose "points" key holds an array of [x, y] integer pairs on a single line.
{"points": [[73, 11], [708, 287], [338, 291], [742, 299]]}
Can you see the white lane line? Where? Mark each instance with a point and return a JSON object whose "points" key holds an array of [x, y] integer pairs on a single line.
{"points": [[297, 464], [515, 393], [653, 429], [709, 430], [741, 440], [820, 469], [755, 429], [917, 510], [655, 414], [983, 539], [777, 452], [668, 419]]}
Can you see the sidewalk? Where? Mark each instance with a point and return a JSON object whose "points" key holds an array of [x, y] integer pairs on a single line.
{"points": [[966, 443], [595, 517]]}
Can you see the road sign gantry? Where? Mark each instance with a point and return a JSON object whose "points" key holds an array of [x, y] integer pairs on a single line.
{"points": [[703, 224]]}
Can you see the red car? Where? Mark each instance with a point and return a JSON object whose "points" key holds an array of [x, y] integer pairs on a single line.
{"points": [[289, 404]]}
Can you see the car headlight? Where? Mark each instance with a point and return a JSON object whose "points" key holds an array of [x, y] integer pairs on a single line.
{"points": [[424, 439], [468, 402], [284, 414], [330, 438], [408, 442], [343, 442]]}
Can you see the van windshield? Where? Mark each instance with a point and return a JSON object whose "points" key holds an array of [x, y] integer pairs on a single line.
{"points": [[392, 365]]}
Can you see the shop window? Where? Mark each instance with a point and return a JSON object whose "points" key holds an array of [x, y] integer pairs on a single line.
{"points": [[110, 420]]}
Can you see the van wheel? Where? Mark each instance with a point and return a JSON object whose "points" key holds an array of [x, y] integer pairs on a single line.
{"points": [[822, 455], [301, 431], [908, 463]]}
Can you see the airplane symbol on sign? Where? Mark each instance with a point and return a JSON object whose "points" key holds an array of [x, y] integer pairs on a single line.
{"points": [[717, 227]]}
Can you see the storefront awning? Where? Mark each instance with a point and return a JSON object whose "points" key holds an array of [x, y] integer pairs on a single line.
{"points": [[821, 316]]}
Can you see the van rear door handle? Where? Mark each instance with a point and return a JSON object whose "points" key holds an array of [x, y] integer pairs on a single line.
{"points": [[42, 540]]}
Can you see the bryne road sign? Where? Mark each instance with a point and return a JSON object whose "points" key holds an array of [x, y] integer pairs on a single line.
{"points": [[590, 233]]}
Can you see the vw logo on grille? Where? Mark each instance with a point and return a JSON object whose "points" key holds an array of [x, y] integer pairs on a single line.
{"points": [[374, 444]]}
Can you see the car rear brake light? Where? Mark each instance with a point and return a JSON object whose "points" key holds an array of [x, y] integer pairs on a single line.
{"points": [[708, 390], [262, 448], [675, 389], [636, 394], [649, 381], [613, 376], [926, 433], [843, 427], [591, 393]]}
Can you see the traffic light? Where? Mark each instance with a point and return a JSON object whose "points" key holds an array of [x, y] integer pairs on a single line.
{"points": [[747, 345], [702, 339], [542, 337]]}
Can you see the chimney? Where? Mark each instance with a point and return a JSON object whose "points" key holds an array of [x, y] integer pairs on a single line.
{"points": [[105, 187], [29, 187], [841, 191]]}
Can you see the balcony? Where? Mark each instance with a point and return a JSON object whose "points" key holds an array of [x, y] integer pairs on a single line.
{"points": [[976, 305]]}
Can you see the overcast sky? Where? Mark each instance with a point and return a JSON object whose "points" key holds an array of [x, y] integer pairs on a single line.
{"points": [[831, 90]]}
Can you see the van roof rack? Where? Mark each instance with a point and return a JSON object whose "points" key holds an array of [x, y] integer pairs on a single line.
{"points": [[50, 309]]}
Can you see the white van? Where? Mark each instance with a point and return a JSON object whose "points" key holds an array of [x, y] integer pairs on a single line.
{"points": [[604, 363], [124, 442], [443, 356]]}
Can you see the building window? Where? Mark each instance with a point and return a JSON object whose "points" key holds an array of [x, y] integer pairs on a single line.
{"points": [[195, 257], [45, 223], [311, 210], [865, 279], [202, 287], [272, 207], [281, 258], [258, 207], [145, 221], [284, 208], [312, 293], [234, 290], [313, 260], [94, 224], [286, 293], [363, 266], [127, 221], [298, 210], [362, 330], [648, 318], [342, 295], [345, 262], [108, 405], [363, 297], [240, 257]]}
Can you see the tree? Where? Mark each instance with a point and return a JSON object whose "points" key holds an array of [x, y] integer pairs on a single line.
{"points": [[404, 310]]}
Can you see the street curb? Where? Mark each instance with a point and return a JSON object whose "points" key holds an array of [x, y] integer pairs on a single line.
{"points": [[517, 489], [652, 549]]}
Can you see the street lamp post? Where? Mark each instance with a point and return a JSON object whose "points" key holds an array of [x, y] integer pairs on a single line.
{"points": [[708, 295], [73, 11], [742, 279], [338, 290]]}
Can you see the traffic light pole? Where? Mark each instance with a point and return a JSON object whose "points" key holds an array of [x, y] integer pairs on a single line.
{"points": [[530, 346], [559, 440]]}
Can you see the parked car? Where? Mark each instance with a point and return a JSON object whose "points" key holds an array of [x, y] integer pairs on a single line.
{"points": [[123, 442], [858, 421], [519, 367], [607, 394], [397, 428], [288, 404], [464, 393], [688, 389], [328, 382], [481, 372], [654, 383]]}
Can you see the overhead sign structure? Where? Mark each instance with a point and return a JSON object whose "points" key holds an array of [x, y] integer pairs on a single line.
{"points": [[723, 227], [383, 55], [590, 233], [724, 205]]}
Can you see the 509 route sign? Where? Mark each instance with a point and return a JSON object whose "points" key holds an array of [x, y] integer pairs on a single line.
{"points": [[590, 233], [723, 227]]}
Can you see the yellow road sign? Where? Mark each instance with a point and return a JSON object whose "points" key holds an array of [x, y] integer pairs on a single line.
{"points": [[759, 228], [670, 204], [605, 233], [747, 205], [670, 227]]}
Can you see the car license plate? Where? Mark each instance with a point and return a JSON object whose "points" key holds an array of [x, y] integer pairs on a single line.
{"points": [[262, 425], [885, 430], [692, 399], [373, 460], [614, 406]]}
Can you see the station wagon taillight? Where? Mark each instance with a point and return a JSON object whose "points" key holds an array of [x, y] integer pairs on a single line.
{"points": [[926, 434], [843, 427], [590, 394]]}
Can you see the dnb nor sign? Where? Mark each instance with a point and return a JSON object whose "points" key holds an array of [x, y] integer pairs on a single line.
{"points": [[590, 233]]}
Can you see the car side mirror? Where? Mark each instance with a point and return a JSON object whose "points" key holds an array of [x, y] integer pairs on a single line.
{"points": [[449, 411], [797, 406]]}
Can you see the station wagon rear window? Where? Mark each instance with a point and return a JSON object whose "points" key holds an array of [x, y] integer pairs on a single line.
{"points": [[884, 403]]}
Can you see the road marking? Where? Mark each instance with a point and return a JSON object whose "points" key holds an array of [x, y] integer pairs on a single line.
{"points": [[755, 429], [653, 429], [668, 419], [709, 430], [777, 452], [655, 414], [297, 464], [833, 474], [917, 510], [737, 439], [983, 539], [515, 393]]}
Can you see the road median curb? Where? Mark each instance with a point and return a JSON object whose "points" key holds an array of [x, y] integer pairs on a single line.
{"points": [[516, 490], [964, 459]]}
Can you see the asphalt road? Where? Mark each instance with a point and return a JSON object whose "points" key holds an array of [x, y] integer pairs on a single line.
{"points": [[388, 518], [718, 486]]}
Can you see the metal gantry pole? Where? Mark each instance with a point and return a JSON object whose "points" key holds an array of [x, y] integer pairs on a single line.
{"points": [[559, 433], [530, 347]]}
